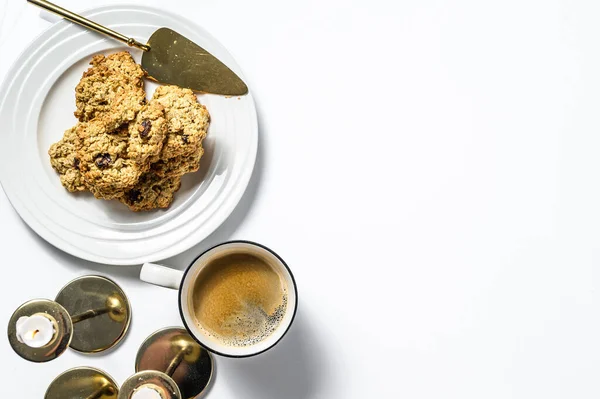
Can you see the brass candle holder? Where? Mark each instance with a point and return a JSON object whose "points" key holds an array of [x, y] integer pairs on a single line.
{"points": [[171, 363], [84, 383], [90, 314]]}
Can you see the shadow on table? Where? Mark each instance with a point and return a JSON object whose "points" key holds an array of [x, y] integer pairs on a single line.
{"points": [[181, 261], [293, 369]]}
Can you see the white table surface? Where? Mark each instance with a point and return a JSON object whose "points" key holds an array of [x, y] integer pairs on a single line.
{"points": [[430, 170]]}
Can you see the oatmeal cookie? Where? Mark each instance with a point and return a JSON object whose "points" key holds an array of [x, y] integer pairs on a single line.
{"points": [[178, 165], [112, 88], [63, 158], [147, 134], [187, 121], [151, 192], [107, 170]]}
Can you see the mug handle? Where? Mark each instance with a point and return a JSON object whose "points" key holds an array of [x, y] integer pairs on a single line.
{"points": [[161, 275]]}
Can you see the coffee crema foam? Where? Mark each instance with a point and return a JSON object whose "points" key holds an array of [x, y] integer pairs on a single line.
{"points": [[239, 299]]}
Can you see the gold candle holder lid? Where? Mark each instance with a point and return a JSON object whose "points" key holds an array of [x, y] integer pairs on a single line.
{"points": [[100, 311], [174, 352], [83, 382], [61, 322], [160, 382]]}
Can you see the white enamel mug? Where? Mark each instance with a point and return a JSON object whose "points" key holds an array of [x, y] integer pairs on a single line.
{"points": [[184, 282]]}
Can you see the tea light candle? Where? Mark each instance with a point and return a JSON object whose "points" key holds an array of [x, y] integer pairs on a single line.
{"points": [[35, 331], [146, 392]]}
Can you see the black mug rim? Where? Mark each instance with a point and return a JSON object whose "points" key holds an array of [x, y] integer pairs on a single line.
{"points": [[210, 249]]}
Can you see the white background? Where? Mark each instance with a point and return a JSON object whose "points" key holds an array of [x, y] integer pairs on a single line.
{"points": [[429, 169]]}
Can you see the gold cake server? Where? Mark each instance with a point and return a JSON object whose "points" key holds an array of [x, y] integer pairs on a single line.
{"points": [[169, 57]]}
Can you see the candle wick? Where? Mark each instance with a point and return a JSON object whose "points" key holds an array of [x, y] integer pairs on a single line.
{"points": [[35, 333]]}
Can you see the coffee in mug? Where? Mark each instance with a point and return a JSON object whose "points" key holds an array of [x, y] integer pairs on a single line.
{"points": [[237, 299]]}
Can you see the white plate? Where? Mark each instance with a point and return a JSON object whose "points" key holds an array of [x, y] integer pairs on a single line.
{"points": [[37, 101]]}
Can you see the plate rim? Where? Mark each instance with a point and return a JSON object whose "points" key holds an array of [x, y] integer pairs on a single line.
{"points": [[220, 215]]}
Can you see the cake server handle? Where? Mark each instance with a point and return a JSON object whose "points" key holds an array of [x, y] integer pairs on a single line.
{"points": [[86, 23]]}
